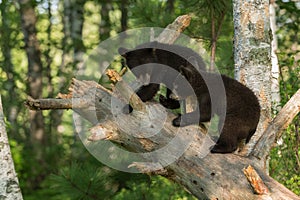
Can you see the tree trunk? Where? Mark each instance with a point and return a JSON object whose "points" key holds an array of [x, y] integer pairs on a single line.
{"points": [[124, 16], [55, 115], [47, 53], [76, 21], [275, 94], [66, 43], [170, 6], [105, 25], [180, 154], [35, 83], [252, 56], [9, 184]]}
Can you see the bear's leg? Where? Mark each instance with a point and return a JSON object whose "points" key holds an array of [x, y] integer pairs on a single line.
{"points": [[225, 145], [250, 134], [233, 130], [147, 92], [168, 102], [193, 117]]}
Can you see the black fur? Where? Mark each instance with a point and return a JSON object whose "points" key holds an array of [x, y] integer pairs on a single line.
{"points": [[173, 56], [242, 108]]}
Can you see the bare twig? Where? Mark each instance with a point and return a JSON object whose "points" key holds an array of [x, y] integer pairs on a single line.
{"points": [[172, 31], [46, 104]]}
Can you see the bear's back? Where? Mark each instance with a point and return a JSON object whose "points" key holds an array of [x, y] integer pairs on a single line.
{"points": [[240, 100], [240, 95], [171, 55]]}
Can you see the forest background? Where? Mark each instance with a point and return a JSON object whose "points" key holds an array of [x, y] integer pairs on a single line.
{"points": [[49, 157]]}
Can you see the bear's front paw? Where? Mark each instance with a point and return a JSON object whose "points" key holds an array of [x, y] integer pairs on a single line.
{"points": [[162, 100], [182, 120], [176, 121], [222, 149]]}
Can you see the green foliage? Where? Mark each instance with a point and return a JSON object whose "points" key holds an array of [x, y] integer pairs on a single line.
{"points": [[157, 188], [204, 12], [293, 183], [145, 13], [83, 181], [91, 180], [285, 160], [283, 163]]}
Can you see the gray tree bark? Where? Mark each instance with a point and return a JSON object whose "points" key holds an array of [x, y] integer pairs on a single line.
{"points": [[252, 56], [9, 184]]}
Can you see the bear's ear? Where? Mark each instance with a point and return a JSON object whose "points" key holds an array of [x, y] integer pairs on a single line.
{"points": [[122, 51]]}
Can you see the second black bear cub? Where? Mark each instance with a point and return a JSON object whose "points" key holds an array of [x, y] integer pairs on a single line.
{"points": [[242, 107], [242, 111]]}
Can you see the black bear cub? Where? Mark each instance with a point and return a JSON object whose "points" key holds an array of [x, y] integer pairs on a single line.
{"points": [[153, 53], [242, 111], [242, 108]]}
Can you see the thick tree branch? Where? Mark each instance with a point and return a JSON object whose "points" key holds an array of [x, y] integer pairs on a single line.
{"points": [[51, 104], [63, 101], [277, 126], [205, 175]]}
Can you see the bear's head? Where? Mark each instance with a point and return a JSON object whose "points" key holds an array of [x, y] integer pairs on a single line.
{"points": [[140, 55]]}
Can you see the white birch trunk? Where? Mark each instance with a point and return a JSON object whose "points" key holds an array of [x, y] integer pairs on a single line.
{"points": [[252, 56], [9, 184], [275, 95]]}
